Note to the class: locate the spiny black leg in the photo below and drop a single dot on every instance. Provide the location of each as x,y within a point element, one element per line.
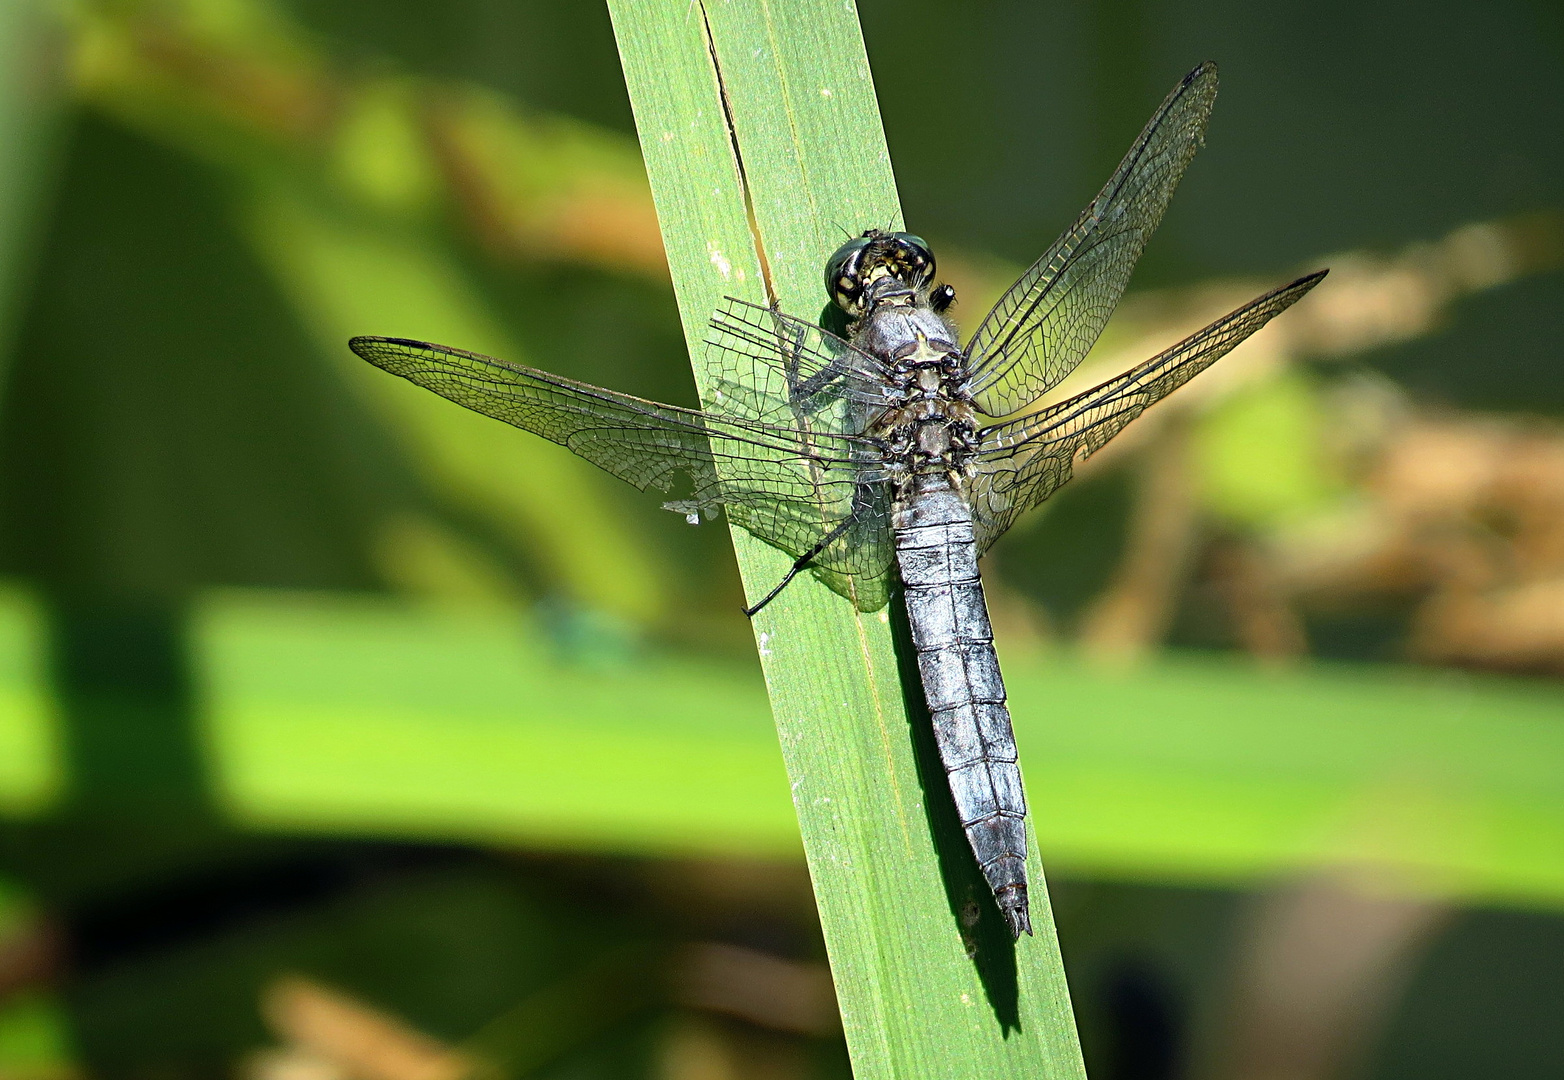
<point>798,564</point>
<point>787,577</point>
<point>942,297</point>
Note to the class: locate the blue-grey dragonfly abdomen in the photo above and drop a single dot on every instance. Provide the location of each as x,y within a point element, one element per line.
<point>951,634</point>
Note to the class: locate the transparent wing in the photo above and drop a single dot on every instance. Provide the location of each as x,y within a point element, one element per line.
<point>1047,322</point>
<point>774,368</point>
<point>790,487</point>
<point>768,367</point>
<point>1023,461</point>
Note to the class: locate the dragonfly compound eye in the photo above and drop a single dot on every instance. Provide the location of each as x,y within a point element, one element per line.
<point>844,274</point>
<point>910,259</point>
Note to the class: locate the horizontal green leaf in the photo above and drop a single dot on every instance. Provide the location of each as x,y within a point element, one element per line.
<point>366,717</point>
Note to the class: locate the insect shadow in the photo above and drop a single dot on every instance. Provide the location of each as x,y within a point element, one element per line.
<point>972,908</point>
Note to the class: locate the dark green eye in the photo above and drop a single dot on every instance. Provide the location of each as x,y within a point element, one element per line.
<point>915,258</point>
<point>843,280</point>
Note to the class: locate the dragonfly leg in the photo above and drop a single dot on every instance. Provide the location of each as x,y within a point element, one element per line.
<point>799,564</point>
<point>792,572</point>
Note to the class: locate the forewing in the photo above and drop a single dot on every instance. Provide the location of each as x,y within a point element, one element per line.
<point>1047,322</point>
<point>791,488</point>
<point>1023,461</point>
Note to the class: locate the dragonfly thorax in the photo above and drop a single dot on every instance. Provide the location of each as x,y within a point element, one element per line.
<point>931,426</point>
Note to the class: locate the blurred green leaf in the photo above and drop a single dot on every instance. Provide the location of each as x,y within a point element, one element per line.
<point>169,425</point>
<point>337,178</point>
<point>35,1039</point>
<point>351,278</point>
<point>31,772</point>
<point>380,152</point>
<point>333,716</point>
<point>32,99</point>
<point>557,755</point>
<point>1260,455</point>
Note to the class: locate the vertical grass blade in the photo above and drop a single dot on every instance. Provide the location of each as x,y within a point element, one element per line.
<point>765,112</point>
<point>32,107</point>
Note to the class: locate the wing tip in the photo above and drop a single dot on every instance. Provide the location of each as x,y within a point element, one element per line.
<point>1305,283</point>
<point>363,341</point>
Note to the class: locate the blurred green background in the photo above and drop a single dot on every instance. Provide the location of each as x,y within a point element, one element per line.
<point>348,736</point>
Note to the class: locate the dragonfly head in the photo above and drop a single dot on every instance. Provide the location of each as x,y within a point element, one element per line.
<point>859,263</point>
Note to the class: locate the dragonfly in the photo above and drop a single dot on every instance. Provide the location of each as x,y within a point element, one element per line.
<point>885,461</point>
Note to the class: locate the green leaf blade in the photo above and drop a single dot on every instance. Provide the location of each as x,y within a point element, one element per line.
<point>748,108</point>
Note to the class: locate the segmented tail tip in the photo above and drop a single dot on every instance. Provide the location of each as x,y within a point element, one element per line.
<point>1013,905</point>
